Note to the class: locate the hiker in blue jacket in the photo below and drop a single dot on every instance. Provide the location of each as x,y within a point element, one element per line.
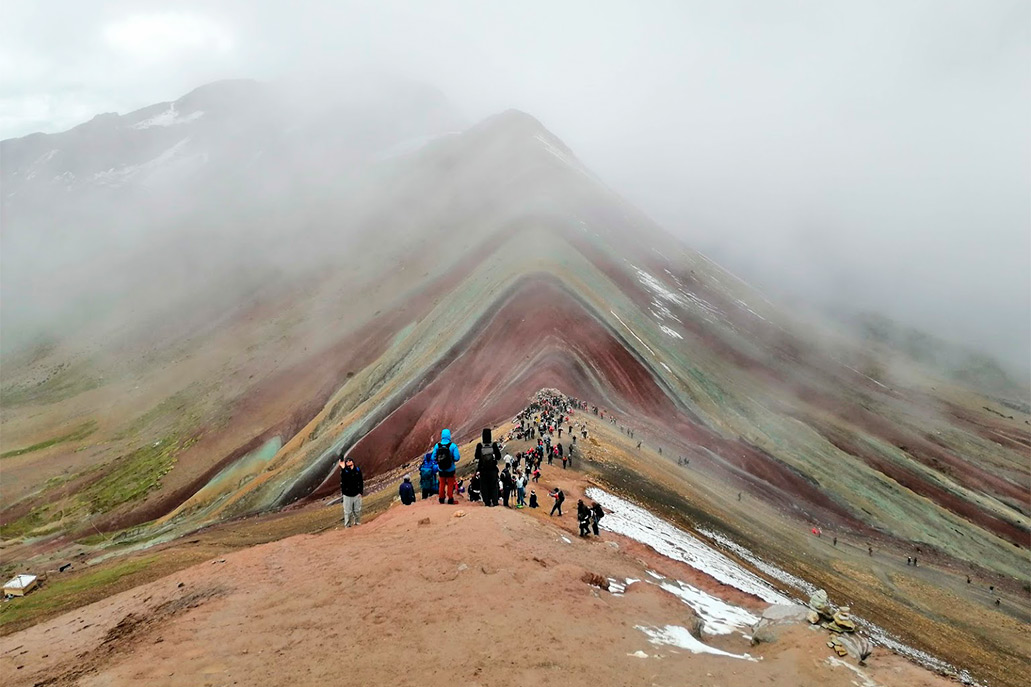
<point>446,455</point>
<point>428,476</point>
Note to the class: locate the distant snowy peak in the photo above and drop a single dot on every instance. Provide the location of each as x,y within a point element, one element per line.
<point>168,117</point>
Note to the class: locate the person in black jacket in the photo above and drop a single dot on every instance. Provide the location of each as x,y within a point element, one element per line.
<point>488,454</point>
<point>559,498</point>
<point>506,485</point>
<point>352,486</point>
<point>583,518</point>
<point>597,514</point>
<point>406,491</point>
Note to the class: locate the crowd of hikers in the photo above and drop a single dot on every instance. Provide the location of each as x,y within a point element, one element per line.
<point>500,479</point>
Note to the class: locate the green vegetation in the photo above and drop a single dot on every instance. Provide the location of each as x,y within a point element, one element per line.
<point>80,432</point>
<point>133,476</point>
<point>33,520</point>
<point>129,478</point>
<point>63,381</point>
<point>61,593</point>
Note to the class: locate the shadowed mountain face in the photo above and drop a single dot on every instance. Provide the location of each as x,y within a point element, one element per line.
<point>245,287</point>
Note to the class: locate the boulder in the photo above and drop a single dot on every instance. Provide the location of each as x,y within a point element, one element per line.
<point>774,618</point>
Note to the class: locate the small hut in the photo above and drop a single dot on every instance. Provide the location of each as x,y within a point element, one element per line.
<point>20,585</point>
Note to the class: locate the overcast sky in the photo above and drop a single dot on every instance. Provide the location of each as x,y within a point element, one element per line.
<point>876,154</point>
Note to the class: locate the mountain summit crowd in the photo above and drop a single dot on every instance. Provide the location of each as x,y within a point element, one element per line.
<point>499,477</point>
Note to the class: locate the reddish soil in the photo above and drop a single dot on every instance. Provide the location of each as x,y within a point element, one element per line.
<point>419,597</point>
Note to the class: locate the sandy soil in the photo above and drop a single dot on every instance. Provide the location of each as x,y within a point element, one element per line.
<point>419,596</point>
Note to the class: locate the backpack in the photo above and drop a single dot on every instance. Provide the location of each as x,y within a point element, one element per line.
<point>445,461</point>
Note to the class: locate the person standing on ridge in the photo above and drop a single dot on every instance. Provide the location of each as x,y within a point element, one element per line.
<point>352,486</point>
<point>488,453</point>
<point>446,455</point>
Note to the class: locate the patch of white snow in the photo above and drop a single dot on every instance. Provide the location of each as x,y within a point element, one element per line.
<point>636,523</point>
<point>169,117</point>
<point>674,635</point>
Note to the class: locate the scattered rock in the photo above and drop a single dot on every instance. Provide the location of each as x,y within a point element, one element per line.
<point>857,645</point>
<point>462,566</point>
<point>821,604</point>
<point>181,585</point>
<point>458,514</point>
<point>841,621</point>
<point>424,521</point>
<point>595,580</point>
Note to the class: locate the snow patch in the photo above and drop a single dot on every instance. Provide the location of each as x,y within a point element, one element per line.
<point>677,636</point>
<point>667,367</point>
<point>866,681</point>
<point>632,332</point>
<point>636,523</point>
<point>680,297</point>
<point>718,616</point>
<point>671,332</point>
<point>169,117</point>
<point>767,568</point>
<point>116,176</point>
<point>557,152</point>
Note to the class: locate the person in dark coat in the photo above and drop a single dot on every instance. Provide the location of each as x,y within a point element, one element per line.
<point>506,485</point>
<point>559,497</point>
<point>583,518</point>
<point>597,514</point>
<point>474,488</point>
<point>406,491</point>
<point>352,486</point>
<point>533,499</point>
<point>488,454</point>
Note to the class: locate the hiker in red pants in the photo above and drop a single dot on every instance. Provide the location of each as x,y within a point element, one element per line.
<point>446,454</point>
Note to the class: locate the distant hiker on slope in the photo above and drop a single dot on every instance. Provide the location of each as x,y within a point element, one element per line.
<point>428,476</point>
<point>352,486</point>
<point>446,455</point>
<point>406,491</point>
<point>533,499</point>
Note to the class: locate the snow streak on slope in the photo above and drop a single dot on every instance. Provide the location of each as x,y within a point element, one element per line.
<point>635,522</point>
<point>169,117</point>
<point>638,524</point>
